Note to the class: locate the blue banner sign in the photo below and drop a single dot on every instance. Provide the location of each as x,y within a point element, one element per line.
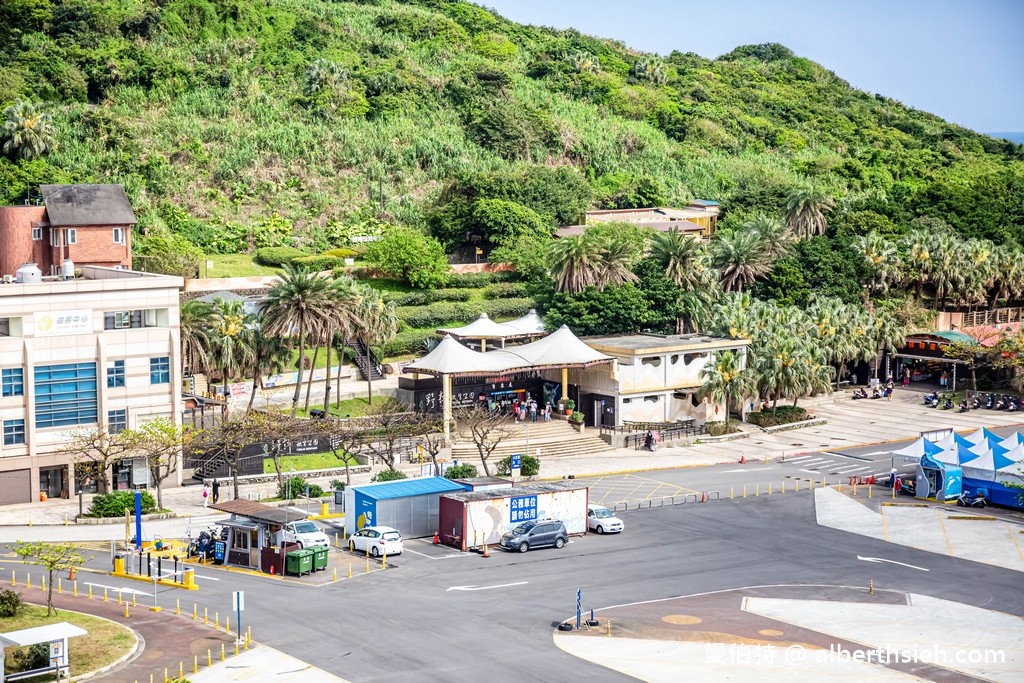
<point>523,509</point>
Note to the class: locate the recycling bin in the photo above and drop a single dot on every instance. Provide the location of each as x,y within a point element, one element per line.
<point>320,558</point>
<point>299,562</point>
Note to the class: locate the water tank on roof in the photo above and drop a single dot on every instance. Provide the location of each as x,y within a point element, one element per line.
<point>68,269</point>
<point>29,272</point>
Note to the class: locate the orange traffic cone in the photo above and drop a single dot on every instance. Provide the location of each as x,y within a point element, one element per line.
<point>486,554</point>
<point>437,540</point>
<point>743,460</point>
<point>71,574</point>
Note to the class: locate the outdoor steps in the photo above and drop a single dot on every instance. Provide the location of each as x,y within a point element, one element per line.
<point>556,438</point>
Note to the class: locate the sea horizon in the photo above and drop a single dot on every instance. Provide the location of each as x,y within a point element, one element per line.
<point>1017,137</point>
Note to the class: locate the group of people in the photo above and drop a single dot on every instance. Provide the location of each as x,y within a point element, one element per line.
<point>876,392</point>
<point>530,409</point>
<point>207,493</point>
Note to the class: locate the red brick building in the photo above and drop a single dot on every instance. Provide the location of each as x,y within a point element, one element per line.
<point>88,224</point>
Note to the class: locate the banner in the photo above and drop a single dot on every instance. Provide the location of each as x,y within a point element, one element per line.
<point>59,323</point>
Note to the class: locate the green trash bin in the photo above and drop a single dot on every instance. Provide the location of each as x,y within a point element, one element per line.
<point>320,557</point>
<point>298,562</point>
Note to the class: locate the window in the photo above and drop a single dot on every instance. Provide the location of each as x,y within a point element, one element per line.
<point>117,421</point>
<point>13,381</point>
<point>72,236</point>
<point>124,320</point>
<point>60,238</point>
<point>10,327</point>
<point>37,234</point>
<point>14,432</point>
<point>115,374</point>
<point>119,236</point>
<point>66,394</point>
<point>160,370</point>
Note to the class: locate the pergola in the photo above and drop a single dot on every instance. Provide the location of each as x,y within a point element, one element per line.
<point>561,349</point>
<point>483,328</point>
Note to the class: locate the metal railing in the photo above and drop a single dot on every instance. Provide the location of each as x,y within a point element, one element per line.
<point>672,434</point>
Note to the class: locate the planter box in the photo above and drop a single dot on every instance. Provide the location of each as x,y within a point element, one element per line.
<point>813,422</point>
<point>724,437</point>
<point>578,426</point>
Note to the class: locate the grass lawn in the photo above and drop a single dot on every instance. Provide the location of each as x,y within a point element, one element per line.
<point>352,407</point>
<point>105,643</point>
<point>236,265</point>
<point>306,462</point>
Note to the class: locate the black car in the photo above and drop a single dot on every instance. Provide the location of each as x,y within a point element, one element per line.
<point>535,535</point>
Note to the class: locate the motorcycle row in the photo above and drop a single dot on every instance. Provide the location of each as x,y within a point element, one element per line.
<point>203,546</point>
<point>908,487</point>
<point>991,402</point>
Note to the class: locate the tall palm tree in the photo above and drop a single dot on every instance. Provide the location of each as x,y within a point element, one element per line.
<point>651,70</point>
<point>347,296</point>
<point>270,355</point>
<point>816,375</point>
<point>890,334</point>
<point>196,335</point>
<point>293,306</point>
<point>376,323</point>
<point>575,263</point>
<point>28,131</point>
<point>740,256</point>
<point>617,256</point>
<point>584,62</point>
<point>1008,274</point>
<point>917,245</point>
<point>724,381</point>
<point>805,211</point>
<point>774,232</point>
<point>683,257</point>
<point>882,259</point>
<point>944,267</point>
<point>230,346</point>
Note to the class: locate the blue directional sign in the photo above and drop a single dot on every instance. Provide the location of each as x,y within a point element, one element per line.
<point>516,461</point>
<point>523,509</point>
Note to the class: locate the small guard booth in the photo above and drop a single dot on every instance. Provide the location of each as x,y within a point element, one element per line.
<point>56,635</point>
<point>253,534</point>
<point>472,518</point>
<point>939,479</point>
<point>408,505</point>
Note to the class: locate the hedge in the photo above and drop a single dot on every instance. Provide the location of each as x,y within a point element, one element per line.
<point>505,290</point>
<point>341,253</point>
<point>443,313</point>
<point>480,280</point>
<point>529,466</point>
<point>319,262</point>
<point>114,504</point>
<point>278,256</point>
<point>404,343</point>
<point>428,297</point>
<point>783,415</point>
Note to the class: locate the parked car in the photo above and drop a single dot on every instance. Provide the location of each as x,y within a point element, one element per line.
<point>306,534</point>
<point>602,520</point>
<point>535,535</point>
<point>380,540</point>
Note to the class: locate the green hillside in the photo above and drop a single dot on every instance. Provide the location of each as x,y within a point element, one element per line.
<point>244,123</point>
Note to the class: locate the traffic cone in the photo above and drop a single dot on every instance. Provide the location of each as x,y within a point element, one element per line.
<point>486,554</point>
<point>437,539</point>
<point>71,574</point>
<point>743,460</point>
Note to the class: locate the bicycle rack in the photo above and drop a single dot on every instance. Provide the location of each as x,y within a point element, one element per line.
<point>690,498</point>
<point>616,508</point>
<point>708,494</point>
<point>640,505</point>
<point>671,499</point>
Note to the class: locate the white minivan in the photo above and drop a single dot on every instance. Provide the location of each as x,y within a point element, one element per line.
<point>601,520</point>
<point>306,534</point>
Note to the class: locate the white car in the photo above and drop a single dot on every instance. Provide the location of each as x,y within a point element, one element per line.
<point>378,540</point>
<point>306,534</point>
<point>601,520</point>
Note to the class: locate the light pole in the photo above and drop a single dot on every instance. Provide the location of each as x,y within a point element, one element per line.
<point>80,515</point>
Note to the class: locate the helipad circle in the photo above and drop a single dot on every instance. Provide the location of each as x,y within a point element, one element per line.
<point>681,619</point>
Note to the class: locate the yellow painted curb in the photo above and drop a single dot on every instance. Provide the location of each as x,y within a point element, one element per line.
<point>161,582</point>
<point>984,518</point>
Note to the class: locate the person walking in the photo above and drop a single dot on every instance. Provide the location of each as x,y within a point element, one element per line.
<point>898,486</point>
<point>216,491</point>
<point>892,478</point>
<point>906,377</point>
<point>533,411</point>
<point>206,494</point>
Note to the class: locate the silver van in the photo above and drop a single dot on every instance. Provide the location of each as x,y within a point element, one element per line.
<point>535,535</point>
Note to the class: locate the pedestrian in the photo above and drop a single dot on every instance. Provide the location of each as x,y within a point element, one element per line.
<point>898,486</point>
<point>853,379</point>
<point>216,491</point>
<point>906,377</point>
<point>547,412</point>
<point>888,393</point>
<point>888,377</point>
<point>892,478</point>
<point>515,409</point>
<point>206,494</point>
<point>533,411</point>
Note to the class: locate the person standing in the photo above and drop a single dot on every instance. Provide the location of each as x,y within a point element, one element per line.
<point>533,411</point>
<point>892,478</point>
<point>898,486</point>
<point>547,413</point>
<point>206,494</point>
<point>906,377</point>
<point>216,491</point>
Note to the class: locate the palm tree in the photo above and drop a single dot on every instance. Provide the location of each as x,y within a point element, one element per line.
<point>944,267</point>
<point>230,345</point>
<point>740,256</point>
<point>917,244</point>
<point>778,366</point>
<point>1009,274</point>
<point>617,255</point>
<point>651,70</point>
<point>575,263</point>
<point>196,335</point>
<point>805,211</point>
<point>28,131</point>
<point>376,323</point>
<point>816,375</point>
<point>270,355</point>
<point>341,319</point>
<point>293,306</point>
<point>724,381</point>
<point>584,62</point>
<point>890,334</point>
<point>774,232</point>
<point>882,260</point>
<point>683,257</point>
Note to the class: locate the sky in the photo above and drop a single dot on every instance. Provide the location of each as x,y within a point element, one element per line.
<point>962,60</point>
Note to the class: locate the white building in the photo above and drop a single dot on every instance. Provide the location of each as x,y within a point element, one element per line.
<point>101,350</point>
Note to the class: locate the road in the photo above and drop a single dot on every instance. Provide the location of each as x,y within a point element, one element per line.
<point>406,624</point>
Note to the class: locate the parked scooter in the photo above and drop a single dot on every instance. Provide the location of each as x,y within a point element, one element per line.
<point>947,402</point>
<point>964,407</point>
<point>990,402</point>
<point>963,500</point>
<point>975,403</point>
<point>860,393</point>
<point>931,399</point>
<point>909,487</point>
<point>203,546</point>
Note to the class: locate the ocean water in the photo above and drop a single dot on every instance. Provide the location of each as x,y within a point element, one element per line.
<point>1017,137</point>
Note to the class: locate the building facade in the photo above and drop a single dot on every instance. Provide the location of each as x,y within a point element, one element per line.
<point>83,224</point>
<point>99,352</point>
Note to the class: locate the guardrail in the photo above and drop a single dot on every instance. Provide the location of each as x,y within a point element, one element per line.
<point>666,501</point>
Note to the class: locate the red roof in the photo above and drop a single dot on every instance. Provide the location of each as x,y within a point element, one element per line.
<point>989,335</point>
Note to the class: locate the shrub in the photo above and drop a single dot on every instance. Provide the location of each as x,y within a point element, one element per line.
<point>297,488</point>
<point>409,341</point>
<point>529,466</point>
<point>341,253</point>
<point>463,470</point>
<point>480,280</point>
<point>11,603</point>
<point>412,256</point>
<point>720,428</point>
<point>451,294</point>
<point>783,415</point>
<point>337,485</point>
<point>114,504</point>
<point>319,262</point>
<point>409,298</point>
<point>576,417</point>
<point>278,256</point>
<point>505,290</point>
<point>389,475</point>
<point>443,313</point>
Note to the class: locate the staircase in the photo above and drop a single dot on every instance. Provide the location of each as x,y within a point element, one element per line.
<point>366,360</point>
<point>554,439</point>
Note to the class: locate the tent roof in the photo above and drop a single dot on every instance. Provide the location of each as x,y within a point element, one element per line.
<point>259,512</point>
<point>452,358</point>
<point>528,324</point>
<point>41,634</point>
<point>983,435</point>
<point>561,347</point>
<point>481,328</point>
<point>1012,441</point>
<point>921,447</point>
<point>405,488</point>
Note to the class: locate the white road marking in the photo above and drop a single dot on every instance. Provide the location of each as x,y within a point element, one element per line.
<point>799,457</point>
<point>729,471</point>
<point>117,589</point>
<point>483,588</point>
<point>206,578</point>
<point>902,564</point>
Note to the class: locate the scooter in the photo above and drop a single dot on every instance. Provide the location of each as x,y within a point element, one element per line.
<point>964,407</point>
<point>976,502</point>
<point>975,404</point>
<point>860,393</point>
<point>909,488</point>
<point>203,546</point>
<point>931,399</point>
<point>947,403</point>
<point>990,401</point>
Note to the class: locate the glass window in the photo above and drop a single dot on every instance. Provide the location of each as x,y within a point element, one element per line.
<point>117,421</point>
<point>37,234</point>
<point>118,235</point>
<point>66,394</point>
<point>115,374</point>
<point>13,381</point>
<point>124,320</point>
<point>160,370</point>
<point>72,236</point>
<point>14,432</point>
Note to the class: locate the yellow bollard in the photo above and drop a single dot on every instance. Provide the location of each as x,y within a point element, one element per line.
<point>60,586</point>
<point>104,594</point>
<point>75,589</point>
<point>855,489</point>
<point>871,586</point>
<point>133,599</point>
<point>166,677</point>
<point>30,519</point>
<point>28,580</point>
<point>769,488</point>
<point>757,489</point>
<point>839,487</point>
<point>195,612</point>
<point>222,655</point>
<point>894,493</point>
<point>227,624</point>
<point>120,598</point>
<point>195,664</point>
<point>209,658</point>
<point>90,591</point>
<point>766,459</point>
<point>384,558</point>
<point>177,606</point>
<point>869,491</point>
<point>608,624</point>
<point>823,483</point>
<point>783,486</point>
<point>335,575</point>
<point>126,610</point>
<point>336,543</point>
<point>206,616</point>
<point>216,620</point>
<point>236,648</point>
<point>367,565</point>
<point>350,570</point>
<point>43,586</point>
<point>798,486</point>
<point>65,519</point>
<point>744,490</point>
<point>730,493</point>
<point>248,636</point>
<point>181,670</point>
<point>13,582</point>
<point>344,534</point>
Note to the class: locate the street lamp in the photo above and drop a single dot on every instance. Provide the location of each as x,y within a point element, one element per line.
<point>80,515</point>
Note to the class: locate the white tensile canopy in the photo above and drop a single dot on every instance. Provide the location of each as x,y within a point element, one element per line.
<point>529,324</point>
<point>983,435</point>
<point>481,328</point>
<point>919,448</point>
<point>558,349</point>
<point>1012,441</point>
<point>451,358</point>
<point>986,466</point>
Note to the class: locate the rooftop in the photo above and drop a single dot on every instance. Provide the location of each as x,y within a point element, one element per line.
<point>80,205</point>
<point>404,488</point>
<point>92,278</point>
<point>658,225</point>
<point>259,512</point>
<point>648,343</point>
<point>528,490</point>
